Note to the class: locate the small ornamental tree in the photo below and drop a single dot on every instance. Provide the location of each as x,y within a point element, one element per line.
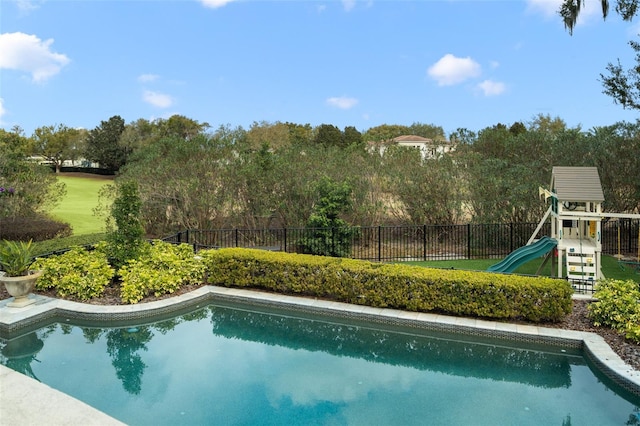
<point>125,237</point>
<point>327,234</point>
<point>27,189</point>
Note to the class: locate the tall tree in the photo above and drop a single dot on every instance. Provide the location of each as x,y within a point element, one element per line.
<point>185,184</point>
<point>425,191</point>
<point>385,132</point>
<point>624,85</point>
<point>56,143</point>
<point>328,135</point>
<point>546,124</point>
<point>352,137</point>
<point>27,187</point>
<point>300,134</point>
<point>139,133</point>
<point>181,127</point>
<point>620,84</point>
<point>103,144</point>
<point>430,131</point>
<point>570,10</point>
<point>615,151</point>
<point>517,128</point>
<point>274,135</point>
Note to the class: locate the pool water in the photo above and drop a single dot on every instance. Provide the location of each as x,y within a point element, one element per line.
<point>236,366</point>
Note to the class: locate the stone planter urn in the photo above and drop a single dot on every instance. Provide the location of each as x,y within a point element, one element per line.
<point>20,287</point>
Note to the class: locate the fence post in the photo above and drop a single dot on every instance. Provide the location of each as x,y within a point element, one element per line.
<point>179,237</point>
<point>468,241</point>
<point>333,240</point>
<point>511,248</point>
<point>379,243</point>
<point>187,235</point>
<point>285,240</point>
<point>236,236</point>
<point>424,242</point>
<point>632,237</point>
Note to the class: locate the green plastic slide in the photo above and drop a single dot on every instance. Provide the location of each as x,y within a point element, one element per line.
<point>524,254</point>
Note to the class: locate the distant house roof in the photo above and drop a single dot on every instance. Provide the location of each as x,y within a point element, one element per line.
<point>412,138</point>
<point>577,184</point>
<point>405,139</point>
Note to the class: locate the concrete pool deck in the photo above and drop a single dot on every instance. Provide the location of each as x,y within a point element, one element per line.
<point>25,401</point>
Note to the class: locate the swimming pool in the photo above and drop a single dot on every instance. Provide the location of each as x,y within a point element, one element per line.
<point>236,364</point>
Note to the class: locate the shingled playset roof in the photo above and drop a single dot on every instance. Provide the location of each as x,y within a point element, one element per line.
<point>577,184</point>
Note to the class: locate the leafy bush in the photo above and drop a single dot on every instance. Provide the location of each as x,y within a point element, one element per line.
<point>77,273</point>
<point>162,268</point>
<point>125,238</point>
<point>328,234</point>
<point>36,228</point>
<point>27,188</point>
<point>617,306</point>
<point>405,287</point>
<point>16,257</point>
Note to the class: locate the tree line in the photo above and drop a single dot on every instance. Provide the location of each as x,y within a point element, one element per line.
<point>283,174</point>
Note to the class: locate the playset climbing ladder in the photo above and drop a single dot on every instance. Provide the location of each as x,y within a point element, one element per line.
<point>576,221</point>
<point>576,216</point>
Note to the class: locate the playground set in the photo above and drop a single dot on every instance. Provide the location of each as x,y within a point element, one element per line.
<point>576,227</point>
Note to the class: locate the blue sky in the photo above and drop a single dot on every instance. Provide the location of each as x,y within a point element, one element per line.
<point>454,64</point>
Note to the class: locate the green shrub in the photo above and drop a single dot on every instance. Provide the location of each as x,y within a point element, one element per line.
<point>36,228</point>
<point>78,273</point>
<point>16,257</point>
<point>617,306</point>
<point>327,234</point>
<point>162,268</point>
<point>125,236</point>
<point>62,244</point>
<point>405,287</point>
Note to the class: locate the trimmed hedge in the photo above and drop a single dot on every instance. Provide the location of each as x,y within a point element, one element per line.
<point>412,288</point>
<point>37,228</point>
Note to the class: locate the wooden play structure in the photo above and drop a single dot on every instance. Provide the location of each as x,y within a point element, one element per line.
<point>576,222</point>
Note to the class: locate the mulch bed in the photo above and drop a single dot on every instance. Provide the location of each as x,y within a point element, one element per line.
<point>577,320</point>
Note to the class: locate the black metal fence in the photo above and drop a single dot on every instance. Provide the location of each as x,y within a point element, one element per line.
<point>418,242</point>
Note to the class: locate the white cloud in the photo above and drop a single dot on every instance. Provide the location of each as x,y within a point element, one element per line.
<point>633,30</point>
<point>146,78</point>
<point>26,6</point>
<point>450,70</point>
<point>348,4</point>
<point>2,110</point>
<point>215,4</point>
<point>548,8</point>
<point>25,52</point>
<point>156,99</point>
<point>492,88</point>
<point>342,102</point>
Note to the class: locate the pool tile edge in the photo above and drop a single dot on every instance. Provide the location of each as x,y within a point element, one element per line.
<point>595,347</point>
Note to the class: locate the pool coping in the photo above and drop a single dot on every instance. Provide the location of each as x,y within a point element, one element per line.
<point>17,321</point>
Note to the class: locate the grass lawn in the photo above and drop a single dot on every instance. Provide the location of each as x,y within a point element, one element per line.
<point>611,268</point>
<point>77,206</point>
